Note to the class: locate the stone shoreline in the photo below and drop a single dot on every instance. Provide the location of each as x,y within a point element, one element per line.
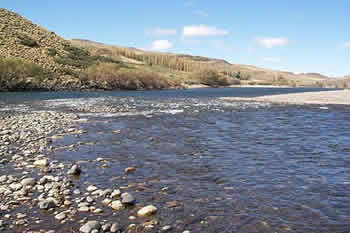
<point>338,97</point>
<point>34,188</point>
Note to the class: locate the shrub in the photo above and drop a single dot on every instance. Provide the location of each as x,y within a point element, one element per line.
<point>15,74</point>
<point>213,78</point>
<point>27,40</point>
<point>112,76</point>
<point>52,52</point>
<point>80,58</point>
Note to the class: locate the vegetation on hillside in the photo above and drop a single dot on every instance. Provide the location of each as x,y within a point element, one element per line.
<point>111,76</point>
<point>16,74</point>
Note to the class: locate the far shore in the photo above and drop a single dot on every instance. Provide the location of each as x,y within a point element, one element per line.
<point>194,86</point>
<point>337,97</point>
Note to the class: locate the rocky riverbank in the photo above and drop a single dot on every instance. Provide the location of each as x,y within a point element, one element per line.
<point>339,97</point>
<point>38,194</point>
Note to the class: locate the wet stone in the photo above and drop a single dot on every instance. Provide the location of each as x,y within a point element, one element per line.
<point>127,198</point>
<point>115,228</point>
<point>117,205</point>
<point>91,188</point>
<point>74,170</point>
<point>47,204</point>
<point>147,211</point>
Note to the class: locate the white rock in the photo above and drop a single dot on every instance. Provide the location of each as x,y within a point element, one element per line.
<point>147,211</point>
<point>90,226</point>
<point>60,216</point>
<point>91,188</point>
<point>117,205</point>
<point>41,163</point>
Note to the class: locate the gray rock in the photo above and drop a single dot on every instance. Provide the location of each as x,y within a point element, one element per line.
<point>28,182</point>
<point>115,228</point>
<point>47,204</point>
<point>127,198</point>
<point>106,227</point>
<point>90,226</point>
<point>74,170</point>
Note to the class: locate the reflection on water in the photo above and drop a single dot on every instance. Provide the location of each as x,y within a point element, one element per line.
<point>238,167</point>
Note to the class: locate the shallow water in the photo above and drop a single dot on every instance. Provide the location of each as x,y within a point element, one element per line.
<point>232,167</point>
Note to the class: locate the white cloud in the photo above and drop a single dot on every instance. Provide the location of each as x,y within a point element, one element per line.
<point>272,59</point>
<point>161,32</point>
<point>201,13</point>
<point>346,44</point>
<point>161,45</point>
<point>270,42</point>
<point>203,30</point>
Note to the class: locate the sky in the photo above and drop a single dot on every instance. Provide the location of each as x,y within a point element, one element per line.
<point>291,35</point>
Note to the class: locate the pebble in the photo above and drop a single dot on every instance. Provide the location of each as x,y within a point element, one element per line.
<point>41,163</point>
<point>166,228</point>
<point>74,170</point>
<point>47,204</point>
<point>90,226</point>
<point>117,205</point>
<point>28,182</point>
<point>127,198</point>
<point>115,228</point>
<point>60,216</point>
<point>91,188</point>
<point>147,211</point>
<point>129,169</point>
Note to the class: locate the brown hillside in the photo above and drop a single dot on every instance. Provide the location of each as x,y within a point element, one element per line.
<point>20,38</point>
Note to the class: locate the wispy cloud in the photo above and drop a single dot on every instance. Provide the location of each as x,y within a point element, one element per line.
<point>271,59</point>
<point>203,30</point>
<point>346,44</point>
<point>270,42</point>
<point>161,32</point>
<point>160,45</point>
<point>201,13</point>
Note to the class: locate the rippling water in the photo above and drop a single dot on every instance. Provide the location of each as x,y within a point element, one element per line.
<point>233,167</point>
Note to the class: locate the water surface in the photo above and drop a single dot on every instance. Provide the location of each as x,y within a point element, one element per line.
<point>232,167</point>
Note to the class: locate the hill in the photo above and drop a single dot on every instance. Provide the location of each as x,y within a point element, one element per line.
<point>32,57</point>
<point>245,74</point>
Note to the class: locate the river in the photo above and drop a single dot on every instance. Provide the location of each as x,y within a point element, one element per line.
<point>230,167</point>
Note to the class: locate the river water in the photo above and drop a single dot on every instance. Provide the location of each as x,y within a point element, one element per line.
<point>230,167</point>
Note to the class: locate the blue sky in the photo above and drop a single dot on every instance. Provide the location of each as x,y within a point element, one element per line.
<point>292,35</point>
